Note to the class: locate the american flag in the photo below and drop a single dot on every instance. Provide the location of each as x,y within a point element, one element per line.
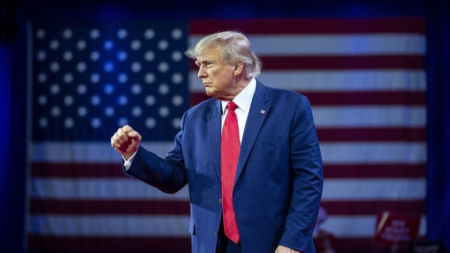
<point>365,79</point>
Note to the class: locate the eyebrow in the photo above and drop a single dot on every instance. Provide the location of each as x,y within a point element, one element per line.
<point>197,62</point>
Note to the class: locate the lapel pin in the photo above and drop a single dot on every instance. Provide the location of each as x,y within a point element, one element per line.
<point>262,112</point>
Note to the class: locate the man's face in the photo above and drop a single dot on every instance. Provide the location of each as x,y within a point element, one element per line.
<point>217,76</point>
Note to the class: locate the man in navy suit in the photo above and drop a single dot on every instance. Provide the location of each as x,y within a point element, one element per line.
<point>274,193</point>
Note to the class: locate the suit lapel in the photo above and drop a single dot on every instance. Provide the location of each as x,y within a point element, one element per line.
<point>258,111</point>
<point>214,133</point>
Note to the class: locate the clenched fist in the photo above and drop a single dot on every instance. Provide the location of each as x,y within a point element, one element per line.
<point>126,141</point>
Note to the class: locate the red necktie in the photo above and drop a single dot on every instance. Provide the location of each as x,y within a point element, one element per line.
<point>229,158</point>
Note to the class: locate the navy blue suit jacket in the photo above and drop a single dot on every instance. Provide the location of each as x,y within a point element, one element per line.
<point>279,178</point>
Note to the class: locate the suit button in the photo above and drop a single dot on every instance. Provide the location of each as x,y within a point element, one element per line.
<point>220,201</point>
<point>215,233</point>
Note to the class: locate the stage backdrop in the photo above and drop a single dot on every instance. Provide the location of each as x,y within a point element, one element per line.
<point>365,79</point>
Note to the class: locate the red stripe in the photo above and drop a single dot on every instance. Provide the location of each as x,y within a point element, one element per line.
<point>310,26</point>
<point>339,62</point>
<point>343,62</point>
<point>161,207</point>
<point>77,170</point>
<point>357,245</point>
<point>371,134</point>
<point>80,171</point>
<point>373,207</point>
<point>374,171</point>
<point>109,244</point>
<point>172,245</point>
<point>367,98</point>
<point>349,98</point>
<point>109,207</point>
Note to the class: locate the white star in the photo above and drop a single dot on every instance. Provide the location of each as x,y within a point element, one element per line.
<point>82,111</point>
<point>43,122</point>
<point>149,34</point>
<point>54,44</point>
<point>95,34</point>
<point>163,89</point>
<point>54,66</point>
<point>149,56</point>
<point>69,123</point>
<point>68,78</point>
<point>81,89</point>
<point>96,123</point>
<point>164,111</point>
<point>41,55</point>
<point>135,44</point>
<point>81,45</point>
<point>177,33</point>
<point>163,67</point>
<point>136,111</point>
<point>67,56</point>
<point>135,66</point>
<point>150,123</point>
<point>42,100</point>
<point>55,111</point>
<point>95,55</point>
<point>109,111</point>
<point>163,45</point>
<point>68,100</point>
<point>136,89</point>
<point>177,78</point>
<point>122,33</point>
<point>149,78</point>
<point>54,89</point>
<point>150,100</point>
<point>67,34</point>
<point>177,56</point>
<point>81,67</point>
<point>177,100</point>
<point>40,34</point>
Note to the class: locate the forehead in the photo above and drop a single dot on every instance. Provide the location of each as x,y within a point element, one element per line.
<point>210,53</point>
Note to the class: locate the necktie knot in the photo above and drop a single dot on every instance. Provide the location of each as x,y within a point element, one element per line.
<point>232,106</point>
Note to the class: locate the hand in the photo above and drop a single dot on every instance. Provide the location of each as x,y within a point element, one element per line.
<point>126,141</point>
<point>282,249</point>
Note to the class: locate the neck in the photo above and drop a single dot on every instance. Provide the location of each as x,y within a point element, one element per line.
<point>241,83</point>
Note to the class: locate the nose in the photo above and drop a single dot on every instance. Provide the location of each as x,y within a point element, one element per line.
<point>201,72</point>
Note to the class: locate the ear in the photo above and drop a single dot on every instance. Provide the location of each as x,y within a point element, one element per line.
<point>238,68</point>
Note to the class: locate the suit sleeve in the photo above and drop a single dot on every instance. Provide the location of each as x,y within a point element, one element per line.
<point>306,164</point>
<point>167,174</point>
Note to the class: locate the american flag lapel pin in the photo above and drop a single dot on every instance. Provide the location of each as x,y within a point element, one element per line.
<point>262,111</point>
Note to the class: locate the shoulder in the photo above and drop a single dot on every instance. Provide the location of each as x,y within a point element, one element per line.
<point>203,107</point>
<point>278,95</point>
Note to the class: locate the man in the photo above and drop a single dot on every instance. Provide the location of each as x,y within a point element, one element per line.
<point>249,155</point>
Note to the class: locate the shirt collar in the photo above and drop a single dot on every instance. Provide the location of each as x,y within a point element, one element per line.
<point>244,99</point>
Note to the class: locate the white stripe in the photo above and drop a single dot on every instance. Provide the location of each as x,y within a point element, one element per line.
<point>335,80</point>
<point>111,189</point>
<point>92,152</point>
<point>104,189</point>
<point>373,152</point>
<point>332,152</point>
<point>176,226</point>
<point>110,225</point>
<point>358,226</point>
<point>373,189</point>
<point>369,116</point>
<point>327,44</point>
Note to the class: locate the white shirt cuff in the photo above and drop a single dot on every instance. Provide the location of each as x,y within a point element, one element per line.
<point>127,163</point>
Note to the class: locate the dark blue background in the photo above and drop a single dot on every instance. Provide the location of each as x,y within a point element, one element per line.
<point>13,107</point>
